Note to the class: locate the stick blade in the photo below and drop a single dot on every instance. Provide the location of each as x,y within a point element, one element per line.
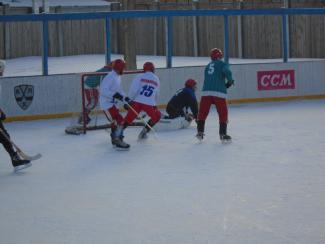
<point>31,158</point>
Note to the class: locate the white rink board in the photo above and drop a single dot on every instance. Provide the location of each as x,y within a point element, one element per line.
<point>309,80</point>
<point>52,94</point>
<point>57,94</point>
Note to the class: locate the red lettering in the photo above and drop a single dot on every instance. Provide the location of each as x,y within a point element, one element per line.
<point>149,81</point>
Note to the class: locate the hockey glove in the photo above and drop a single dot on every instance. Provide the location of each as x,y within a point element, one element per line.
<point>127,103</point>
<point>2,115</point>
<point>189,117</point>
<point>118,96</point>
<point>127,100</point>
<point>229,83</point>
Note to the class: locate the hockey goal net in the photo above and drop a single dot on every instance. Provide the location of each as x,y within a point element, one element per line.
<point>91,117</point>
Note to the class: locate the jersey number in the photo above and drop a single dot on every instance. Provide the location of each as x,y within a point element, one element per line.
<point>211,69</point>
<point>147,90</point>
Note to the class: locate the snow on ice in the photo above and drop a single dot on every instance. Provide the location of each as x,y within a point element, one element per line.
<point>268,186</point>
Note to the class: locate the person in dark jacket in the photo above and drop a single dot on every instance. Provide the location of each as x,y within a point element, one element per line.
<point>17,162</point>
<point>183,100</point>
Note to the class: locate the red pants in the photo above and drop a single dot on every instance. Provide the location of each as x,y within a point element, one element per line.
<point>114,116</point>
<point>152,112</point>
<point>220,103</point>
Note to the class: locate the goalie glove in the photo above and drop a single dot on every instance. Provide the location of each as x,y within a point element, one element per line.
<point>126,106</point>
<point>127,100</point>
<point>229,83</point>
<point>189,117</point>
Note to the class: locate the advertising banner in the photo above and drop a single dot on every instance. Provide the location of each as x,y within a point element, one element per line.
<point>275,80</point>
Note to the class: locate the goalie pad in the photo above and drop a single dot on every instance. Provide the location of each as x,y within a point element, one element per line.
<point>172,124</point>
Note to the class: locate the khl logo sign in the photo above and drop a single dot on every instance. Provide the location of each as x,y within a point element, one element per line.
<point>276,79</point>
<point>24,95</point>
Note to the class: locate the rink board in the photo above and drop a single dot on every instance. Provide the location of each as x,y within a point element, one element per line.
<point>53,96</point>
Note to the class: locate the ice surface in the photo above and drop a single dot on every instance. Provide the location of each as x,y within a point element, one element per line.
<point>268,186</point>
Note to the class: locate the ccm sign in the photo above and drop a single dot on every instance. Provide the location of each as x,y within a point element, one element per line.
<point>276,79</point>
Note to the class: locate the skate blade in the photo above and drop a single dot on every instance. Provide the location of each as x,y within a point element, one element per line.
<point>32,158</point>
<point>122,148</point>
<point>21,167</point>
<point>200,139</point>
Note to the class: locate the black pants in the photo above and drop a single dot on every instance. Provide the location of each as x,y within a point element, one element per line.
<point>5,142</point>
<point>173,112</point>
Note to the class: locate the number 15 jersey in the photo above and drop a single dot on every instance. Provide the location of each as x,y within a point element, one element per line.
<point>145,88</point>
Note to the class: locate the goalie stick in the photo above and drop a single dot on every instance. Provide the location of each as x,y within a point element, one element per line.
<point>19,151</point>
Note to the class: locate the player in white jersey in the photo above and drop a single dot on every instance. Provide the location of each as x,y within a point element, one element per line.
<point>110,92</point>
<point>144,92</point>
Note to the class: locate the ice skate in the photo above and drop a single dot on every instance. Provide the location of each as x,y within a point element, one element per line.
<point>225,139</point>
<point>143,134</point>
<point>119,144</point>
<point>113,141</point>
<point>19,163</point>
<point>200,136</point>
<point>200,129</point>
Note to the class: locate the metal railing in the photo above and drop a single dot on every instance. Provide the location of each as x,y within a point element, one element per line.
<point>168,14</point>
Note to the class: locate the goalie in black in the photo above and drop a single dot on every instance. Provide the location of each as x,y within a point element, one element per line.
<point>183,100</point>
<point>17,162</point>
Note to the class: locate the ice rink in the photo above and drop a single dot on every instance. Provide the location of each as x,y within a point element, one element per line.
<point>268,186</point>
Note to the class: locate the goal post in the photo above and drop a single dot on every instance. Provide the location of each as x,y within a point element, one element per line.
<point>91,117</point>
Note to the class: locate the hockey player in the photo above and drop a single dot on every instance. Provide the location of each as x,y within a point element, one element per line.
<point>183,99</point>
<point>91,93</point>
<point>144,92</point>
<point>17,162</point>
<point>110,92</point>
<point>214,92</point>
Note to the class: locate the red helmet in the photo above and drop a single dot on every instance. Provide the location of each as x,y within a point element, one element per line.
<point>191,83</point>
<point>148,66</point>
<point>216,53</point>
<point>118,65</point>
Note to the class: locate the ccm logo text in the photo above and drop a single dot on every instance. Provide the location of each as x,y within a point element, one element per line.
<point>276,79</point>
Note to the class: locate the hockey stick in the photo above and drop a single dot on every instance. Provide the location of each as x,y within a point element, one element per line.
<point>19,151</point>
<point>137,114</point>
<point>110,120</point>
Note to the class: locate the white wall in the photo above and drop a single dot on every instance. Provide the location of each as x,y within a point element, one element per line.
<point>52,94</point>
<point>57,94</point>
<point>309,79</point>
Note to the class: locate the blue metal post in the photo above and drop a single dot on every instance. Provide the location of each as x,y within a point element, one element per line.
<point>284,39</point>
<point>45,52</point>
<point>169,44</point>
<point>226,39</point>
<point>108,51</point>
